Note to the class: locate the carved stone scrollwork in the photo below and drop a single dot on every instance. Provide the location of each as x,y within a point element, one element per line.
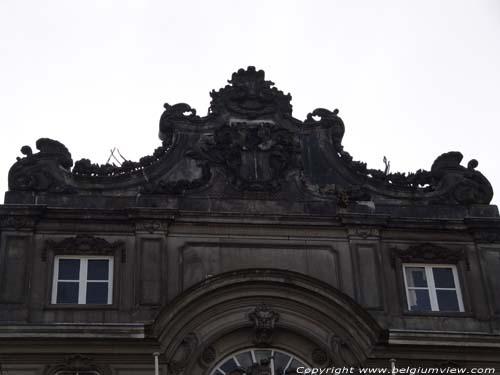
<point>329,120</point>
<point>264,321</point>
<point>180,112</point>
<point>183,354</point>
<point>251,137</point>
<point>429,253</point>
<point>84,245</point>
<point>45,170</point>
<point>457,184</point>
<point>448,182</point>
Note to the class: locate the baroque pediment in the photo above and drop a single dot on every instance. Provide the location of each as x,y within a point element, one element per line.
<point>248,146</point>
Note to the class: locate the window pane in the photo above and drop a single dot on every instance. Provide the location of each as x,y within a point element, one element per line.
<point>229,365</point>
<point>98,269</point>
<point>419,300</point>
<point>415,277</point>
<point>69,269</point>
<point>292,369</point>
<point>97,293</point>
<point>262,354</point>
<point>447,300</point>
<point>67,292</point>
<point>245,359</point>
<point>443,277</point>
<point>280,362</point>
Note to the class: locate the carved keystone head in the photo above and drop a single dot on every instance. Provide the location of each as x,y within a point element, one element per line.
<point>264,320</point>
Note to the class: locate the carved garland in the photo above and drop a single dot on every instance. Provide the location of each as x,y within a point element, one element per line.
<point>84,245</point>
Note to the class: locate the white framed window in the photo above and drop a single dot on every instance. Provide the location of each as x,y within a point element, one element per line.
<point>432,287</point>
<point>82,280</point>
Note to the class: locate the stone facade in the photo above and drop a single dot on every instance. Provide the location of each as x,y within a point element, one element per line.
<point>246,229</point>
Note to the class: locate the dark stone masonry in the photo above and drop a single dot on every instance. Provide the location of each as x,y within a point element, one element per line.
<point>249,242</point>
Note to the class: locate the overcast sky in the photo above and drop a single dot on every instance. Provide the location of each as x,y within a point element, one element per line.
<point>412,79</point>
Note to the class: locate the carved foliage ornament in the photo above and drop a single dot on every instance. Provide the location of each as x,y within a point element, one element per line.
<point>448,182</point>
<point>429,253</point>
<point>264,323</point>
<point>84,167</point>
<point>84,245</point>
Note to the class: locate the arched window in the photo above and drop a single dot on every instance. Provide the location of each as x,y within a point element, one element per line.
<point>244,362</point>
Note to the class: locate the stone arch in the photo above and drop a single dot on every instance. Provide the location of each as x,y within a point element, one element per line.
<point>299,314</point>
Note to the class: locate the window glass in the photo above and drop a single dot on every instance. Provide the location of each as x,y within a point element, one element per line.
<point>416,277</point>
<point>245,359</point>
<point>69,269</point>
<point>97,292</point>
<point>83,280</point>
<point>292,369</point>
<point>419,300</point>
<point>432,288</point>
<point>229,365</point>
<point>443,277</point>
<point>281,360</point>
<point>67,292</point>
<point>447,300</point>
<point>98,269</point>
<point>262,354</point>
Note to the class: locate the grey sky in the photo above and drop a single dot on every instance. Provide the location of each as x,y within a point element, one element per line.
<point>412,79</point>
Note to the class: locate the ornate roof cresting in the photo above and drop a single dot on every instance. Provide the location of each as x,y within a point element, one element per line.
<point>249,146</point>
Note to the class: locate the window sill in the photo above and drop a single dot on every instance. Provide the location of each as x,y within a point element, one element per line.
<point>71,306</point>
<point>440,314</point>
